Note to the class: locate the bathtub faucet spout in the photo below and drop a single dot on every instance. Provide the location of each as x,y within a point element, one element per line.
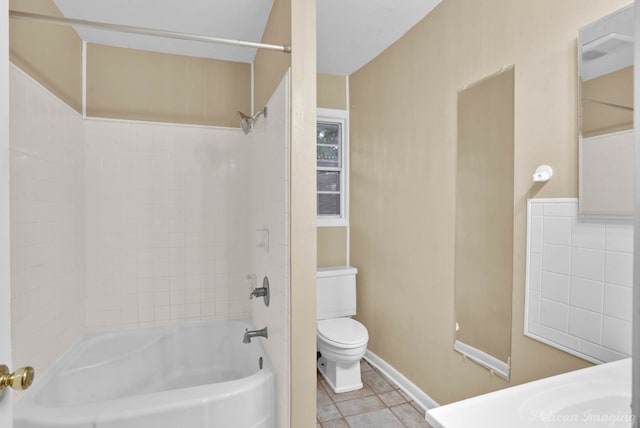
<point>254,333</point>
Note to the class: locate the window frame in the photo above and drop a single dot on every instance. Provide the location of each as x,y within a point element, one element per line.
<point>341,117</point>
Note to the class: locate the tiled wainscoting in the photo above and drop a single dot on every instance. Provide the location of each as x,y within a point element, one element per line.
<point>380,403</point>
<point>579,281</point>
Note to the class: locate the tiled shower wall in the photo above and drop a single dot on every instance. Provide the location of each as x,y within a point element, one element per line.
<point>167,215</point>
<point>125,224</point>
<point>270,229</point>
<point>47,224</point>
<point>579,281</point>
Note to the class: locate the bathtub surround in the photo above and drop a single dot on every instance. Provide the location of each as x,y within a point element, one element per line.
<point>164,211</point>
<point>579,281</point>
<point>47,223</point>
<point>167,215</point>
<point>269,145</point>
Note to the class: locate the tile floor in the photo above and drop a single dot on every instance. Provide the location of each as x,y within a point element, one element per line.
<point>379,404</point>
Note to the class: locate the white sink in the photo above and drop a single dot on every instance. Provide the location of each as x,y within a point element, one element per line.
<point>598,396</point>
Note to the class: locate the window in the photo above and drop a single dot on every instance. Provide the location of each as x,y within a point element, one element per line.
<point>331,167</point>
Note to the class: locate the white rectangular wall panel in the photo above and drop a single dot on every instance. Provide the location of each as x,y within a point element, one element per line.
<point>579,273</point>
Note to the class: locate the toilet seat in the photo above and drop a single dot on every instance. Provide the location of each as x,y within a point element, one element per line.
<point>342,332</point>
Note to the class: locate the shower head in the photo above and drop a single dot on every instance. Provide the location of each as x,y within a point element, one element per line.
<point>246,122</point>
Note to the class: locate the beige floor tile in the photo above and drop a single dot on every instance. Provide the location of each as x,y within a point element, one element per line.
<point>364,366</point>
<point>365,391</point>
<point>392,398</point>
<point>322,397</point>
<point>376,382</point>
<point>328,412</point>
<point>376,419</point>
<point>360,405</point>
<point>409,416</point>
<point>336,423</point>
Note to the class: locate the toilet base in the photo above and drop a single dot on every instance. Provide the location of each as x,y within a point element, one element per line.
<point>341,377</point>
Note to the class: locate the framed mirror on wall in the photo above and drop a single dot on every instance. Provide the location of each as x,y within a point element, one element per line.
<point>484,222</point>
<point>605,122</point>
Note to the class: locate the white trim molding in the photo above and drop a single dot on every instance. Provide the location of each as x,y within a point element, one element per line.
<point>419,396</point>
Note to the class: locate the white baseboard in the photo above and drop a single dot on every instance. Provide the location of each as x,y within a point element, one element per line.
<point>409,388</point>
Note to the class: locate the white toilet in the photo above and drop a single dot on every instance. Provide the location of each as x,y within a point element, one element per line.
<point>342,341</point>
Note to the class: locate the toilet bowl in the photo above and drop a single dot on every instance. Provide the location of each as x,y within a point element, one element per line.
<point>341,341</point>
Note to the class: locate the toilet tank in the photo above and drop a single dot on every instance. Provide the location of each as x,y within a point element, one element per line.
<point>336,292</point>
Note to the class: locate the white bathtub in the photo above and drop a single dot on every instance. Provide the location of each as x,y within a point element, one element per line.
<point>194,376</point>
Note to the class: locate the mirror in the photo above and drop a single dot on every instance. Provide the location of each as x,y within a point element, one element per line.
<point>605,122</point>
<point>484,222</point>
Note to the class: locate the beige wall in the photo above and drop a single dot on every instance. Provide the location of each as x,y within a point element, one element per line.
<point>51,54</point>
<point>332,91</point>
<point>332,241</point>
<point>332,246</point>
<point>141,85</point>
<point>403,154</point>
<point>270,66</point>
<point>294,21</point>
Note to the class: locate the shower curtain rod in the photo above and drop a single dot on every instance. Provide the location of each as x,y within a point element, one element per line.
<point>145,31</point>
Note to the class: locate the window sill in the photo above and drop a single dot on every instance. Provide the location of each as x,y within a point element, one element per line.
<point>332,222</point>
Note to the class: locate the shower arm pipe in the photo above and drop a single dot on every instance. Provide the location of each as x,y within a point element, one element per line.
<point>144,31</point>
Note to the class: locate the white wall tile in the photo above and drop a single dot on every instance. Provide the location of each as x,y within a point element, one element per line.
<point>535,271</point>
<point>47,226</point>
<point>619,268</point>
<point>536,234</point>
<point>560,209</point>
<point>557,259</point>
<point>588,234</point>
<point>585,324</point>
<point>269,209</point>
<point>555,287</point>
<point>556,230</point>
<point>617,301</point>
<point>554,315</point>
<point>600,352</point>
<point>619,237</point>
<point>560,338</point>
<point>586,294</point>
<point>167,191</point>
<point>537,208</point>
<point>534,307</point>
<point>590,317</point>
<point>587,264</point>
<point>616,335</point>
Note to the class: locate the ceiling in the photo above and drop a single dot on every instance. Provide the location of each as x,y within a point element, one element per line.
<point>350,33</point>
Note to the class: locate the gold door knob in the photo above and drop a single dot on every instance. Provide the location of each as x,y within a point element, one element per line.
<point>20,379</point>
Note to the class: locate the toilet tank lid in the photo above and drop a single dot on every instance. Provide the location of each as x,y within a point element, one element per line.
<point>335,271</point>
